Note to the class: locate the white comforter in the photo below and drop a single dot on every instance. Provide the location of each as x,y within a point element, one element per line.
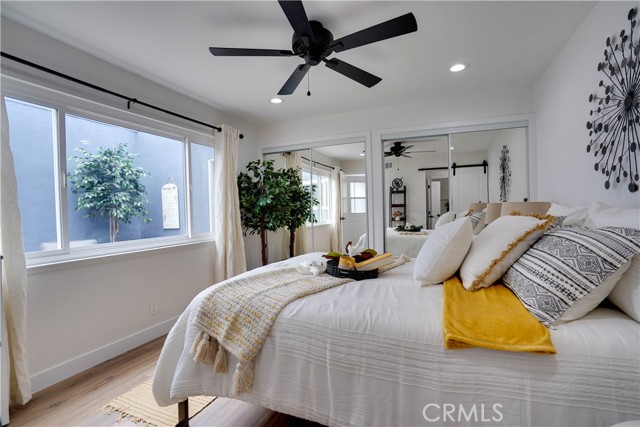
<point>371,353</point>
<point>407,244</point>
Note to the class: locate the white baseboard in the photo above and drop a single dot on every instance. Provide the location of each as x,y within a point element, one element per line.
<point>64,370</point>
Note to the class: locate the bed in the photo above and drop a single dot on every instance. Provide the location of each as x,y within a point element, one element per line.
<point>370,353</point>
<point>405,243</point>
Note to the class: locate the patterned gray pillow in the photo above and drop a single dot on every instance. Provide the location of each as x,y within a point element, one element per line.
<point>477,221</point>
<point>566,265</point>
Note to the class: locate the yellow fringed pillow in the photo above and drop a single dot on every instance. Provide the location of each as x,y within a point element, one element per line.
<point>499,245</point>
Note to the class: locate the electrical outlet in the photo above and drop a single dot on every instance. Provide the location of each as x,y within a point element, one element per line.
<point>153,307</point>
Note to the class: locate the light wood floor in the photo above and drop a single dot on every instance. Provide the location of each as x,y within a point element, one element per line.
<point>77,400</point>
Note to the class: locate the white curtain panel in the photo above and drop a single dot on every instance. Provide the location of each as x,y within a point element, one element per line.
<point>14,274</point>
<point>293,159</point>
<point>336,211</point>
<point>229,255</point>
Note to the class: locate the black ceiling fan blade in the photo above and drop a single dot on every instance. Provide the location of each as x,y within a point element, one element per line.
<point>232,51</point>
<point>404,155</point>
<point>354,73</point>
<point>392,28</point>
<point>294,10</point>
<point>294,80</point>
<point>388,153</point>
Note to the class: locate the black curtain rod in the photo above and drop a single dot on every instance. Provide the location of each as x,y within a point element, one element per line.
<point>101,89</point>
<point>318,163</point>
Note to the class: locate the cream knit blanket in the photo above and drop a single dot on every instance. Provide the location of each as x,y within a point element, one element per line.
<point>237,315</point>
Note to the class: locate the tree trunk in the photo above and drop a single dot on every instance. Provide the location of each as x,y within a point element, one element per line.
<point>263,242</point>
<point>114,228</point>
<point>292,240</point>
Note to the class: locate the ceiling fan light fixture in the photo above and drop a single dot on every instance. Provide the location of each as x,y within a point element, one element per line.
<point>457,68</point>
<point>276,100</point>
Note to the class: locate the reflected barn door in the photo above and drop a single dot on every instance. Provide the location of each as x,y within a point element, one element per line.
<point>354,208</point>
<point>468,185</point>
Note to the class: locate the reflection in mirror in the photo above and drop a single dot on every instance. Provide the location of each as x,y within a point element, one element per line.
<point>417,190</point>
<point>337,174</point>
<point>503,178</point>
<point>490,166</point>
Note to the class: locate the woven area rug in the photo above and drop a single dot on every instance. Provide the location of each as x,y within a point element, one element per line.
<point>139,406</point>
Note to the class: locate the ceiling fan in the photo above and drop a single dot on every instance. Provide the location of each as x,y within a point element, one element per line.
<point>398,150</point>
<point>314,43</point>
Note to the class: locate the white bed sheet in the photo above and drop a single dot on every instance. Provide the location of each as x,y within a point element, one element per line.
<point>371,353</point>
<point>407,244</point>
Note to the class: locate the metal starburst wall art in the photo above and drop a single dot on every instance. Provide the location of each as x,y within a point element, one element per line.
<point>614,126</point>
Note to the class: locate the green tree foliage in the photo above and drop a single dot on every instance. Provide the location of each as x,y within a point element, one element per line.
<point>299,207</point>
<point>262,192</point>
<point>271,199</point>
<point>109,186</point>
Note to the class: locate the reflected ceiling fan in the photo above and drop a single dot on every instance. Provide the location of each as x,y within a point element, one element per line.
<point>398,150</point>
<point>314,43</point>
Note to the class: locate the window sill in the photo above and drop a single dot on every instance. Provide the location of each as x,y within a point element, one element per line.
<point>39,263</point>
<point>319,224</point>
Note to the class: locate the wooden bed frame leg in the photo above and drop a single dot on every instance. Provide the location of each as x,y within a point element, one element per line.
<point>183,413</point>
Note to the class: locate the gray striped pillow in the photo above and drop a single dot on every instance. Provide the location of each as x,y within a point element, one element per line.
<point>571,266</point>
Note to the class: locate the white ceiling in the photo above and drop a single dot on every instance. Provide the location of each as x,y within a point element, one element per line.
<point>506,44</point>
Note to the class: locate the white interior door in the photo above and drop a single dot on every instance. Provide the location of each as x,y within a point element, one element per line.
<point>354,208</point>
<point>434,204</point>
<point>468,185</point>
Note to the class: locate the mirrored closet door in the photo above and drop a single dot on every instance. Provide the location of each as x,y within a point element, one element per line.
<point>429,175</point>
<point>336,175</point>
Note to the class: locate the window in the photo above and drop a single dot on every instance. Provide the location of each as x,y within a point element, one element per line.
<point>33,136</point>
<point>105,184</point>
<point>358,195</point>
<point>159,161</point>
<point>322,192</point>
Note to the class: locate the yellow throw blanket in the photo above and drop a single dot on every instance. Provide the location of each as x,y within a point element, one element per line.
<point>491,317</point>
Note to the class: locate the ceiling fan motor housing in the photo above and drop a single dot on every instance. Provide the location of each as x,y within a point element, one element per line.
<point>312,51</point>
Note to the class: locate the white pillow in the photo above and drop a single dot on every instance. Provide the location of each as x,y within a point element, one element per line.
<point>572,216</point>
<point>499,245</point>
<point>445,218</point>
<point>626,294</point>
<point>462,214</point>
<point>601,215</point>
<point>443,252</point>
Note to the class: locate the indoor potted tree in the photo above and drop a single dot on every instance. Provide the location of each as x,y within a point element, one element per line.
<point>263,193</point>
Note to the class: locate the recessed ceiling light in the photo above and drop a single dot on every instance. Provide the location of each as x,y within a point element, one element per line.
<point>457,67</point>
<point>275,101</point>
<point>453,148</point>
<point>362,154</point>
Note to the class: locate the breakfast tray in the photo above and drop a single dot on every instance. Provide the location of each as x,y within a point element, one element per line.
<point>334,270</point>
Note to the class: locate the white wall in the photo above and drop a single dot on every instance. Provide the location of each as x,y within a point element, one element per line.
<point>83,313</point>
<point>566,171</point>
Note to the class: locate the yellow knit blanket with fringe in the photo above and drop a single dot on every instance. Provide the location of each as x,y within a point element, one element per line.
<point>491,317</point>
